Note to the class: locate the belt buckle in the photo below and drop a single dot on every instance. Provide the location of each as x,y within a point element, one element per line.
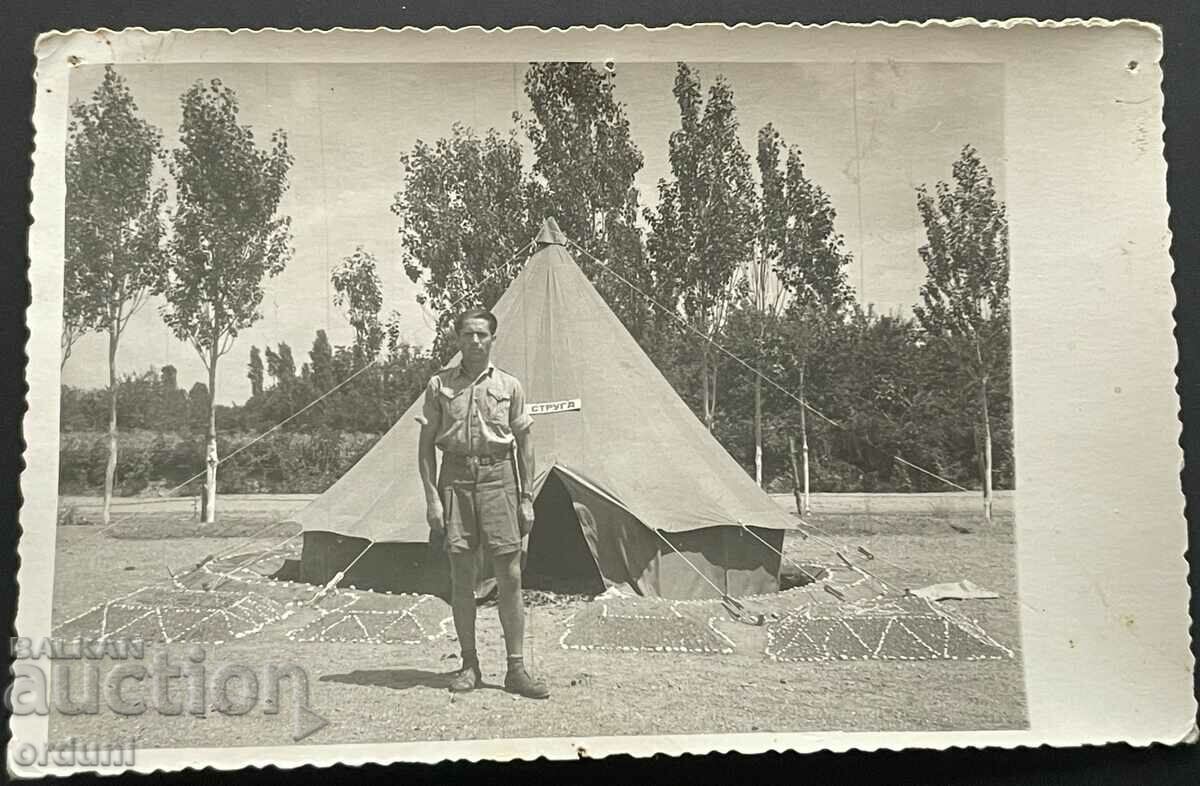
<point>473,463</point>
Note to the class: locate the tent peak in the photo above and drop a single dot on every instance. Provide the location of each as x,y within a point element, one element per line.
<point>550,234</point>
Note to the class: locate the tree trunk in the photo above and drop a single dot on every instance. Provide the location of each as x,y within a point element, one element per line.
<point>706,392</point>
<point>758,435</point>
<point>987,450</point>
<point>712,395</point>
<point>110,469</point>
<point>208,507</point>
<point>795,476</point>
<point>807,507</point>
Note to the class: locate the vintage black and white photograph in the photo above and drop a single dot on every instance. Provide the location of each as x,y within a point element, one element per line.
<point>604,396</point>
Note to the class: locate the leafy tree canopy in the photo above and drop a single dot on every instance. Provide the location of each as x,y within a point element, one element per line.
<point>466,215</point>
<point>228,235</point>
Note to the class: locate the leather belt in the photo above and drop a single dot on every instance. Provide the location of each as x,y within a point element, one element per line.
<point>473,461</point>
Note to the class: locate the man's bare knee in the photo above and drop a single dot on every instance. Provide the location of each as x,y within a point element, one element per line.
<point>508,570</point>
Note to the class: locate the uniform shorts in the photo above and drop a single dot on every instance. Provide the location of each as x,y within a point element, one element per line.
<point>480,507</point>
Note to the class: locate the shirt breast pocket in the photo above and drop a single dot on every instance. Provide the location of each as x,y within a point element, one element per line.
<point>498,405</point>
<point>454,403</point>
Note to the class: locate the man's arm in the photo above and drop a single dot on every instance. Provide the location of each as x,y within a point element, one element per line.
<point>427,464</point>
<point>525,466</point>
<point>520,422</point>
<point>430,420</point>
<point>525,458</point>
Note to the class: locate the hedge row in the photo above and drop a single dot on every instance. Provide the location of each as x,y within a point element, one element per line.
<point>283,462</point>
<point>306,463</point>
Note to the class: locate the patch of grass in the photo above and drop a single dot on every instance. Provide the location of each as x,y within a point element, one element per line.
<point>175,525</point>
<point>932,524</point>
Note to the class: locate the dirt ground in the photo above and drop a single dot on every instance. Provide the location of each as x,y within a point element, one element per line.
<point>378,693</point>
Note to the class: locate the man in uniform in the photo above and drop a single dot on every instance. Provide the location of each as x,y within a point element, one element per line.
<point>475,413</point>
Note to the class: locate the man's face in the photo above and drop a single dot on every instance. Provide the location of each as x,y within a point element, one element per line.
<point>475,340</point>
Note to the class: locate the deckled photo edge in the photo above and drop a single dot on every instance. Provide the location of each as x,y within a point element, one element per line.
<point>53,48</point>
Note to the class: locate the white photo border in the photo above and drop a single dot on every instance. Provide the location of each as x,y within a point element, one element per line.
<point>1095,409</point>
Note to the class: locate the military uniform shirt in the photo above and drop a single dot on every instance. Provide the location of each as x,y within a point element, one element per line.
<point>474,416</point>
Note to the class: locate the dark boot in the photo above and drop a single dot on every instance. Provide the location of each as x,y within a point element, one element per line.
<point>467,678</point>
<point>519,681</point>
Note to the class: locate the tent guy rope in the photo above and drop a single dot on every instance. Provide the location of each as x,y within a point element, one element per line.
<point>263,435</point>
<point>340,575</point>
<point>226,575</point>
<point>605,266</point>
<point>736,609</point>
<point>782,556</point>
<point>171,492</point>
<point>187,571</point>
<point>837,548</point>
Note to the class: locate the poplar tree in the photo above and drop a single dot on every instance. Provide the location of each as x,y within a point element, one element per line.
<point>704,229</point>
<point>800,269</point>
<point>358,291</point>
<point>228,236</point>
<point>586,160</point>
<point>965,297</point>
<point>114,229</point>
<point>254,372</point>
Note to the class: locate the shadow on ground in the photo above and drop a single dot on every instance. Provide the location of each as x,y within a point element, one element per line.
<point>398,679</point>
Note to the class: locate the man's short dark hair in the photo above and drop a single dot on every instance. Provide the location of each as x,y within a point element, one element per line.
<point>475,313</point>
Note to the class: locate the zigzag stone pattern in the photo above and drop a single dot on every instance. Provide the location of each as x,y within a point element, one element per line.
<point>643,627</point>
<point>902,628</point>
<point>424,618</point>
<point>170,614</point>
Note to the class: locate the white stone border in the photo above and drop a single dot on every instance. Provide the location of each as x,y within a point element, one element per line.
<point>276,612</point>
<point>569,625</point>
<point>863,610</point>
<point>349,612</point>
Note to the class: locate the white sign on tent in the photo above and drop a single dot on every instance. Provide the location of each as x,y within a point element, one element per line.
<point>552,407</point>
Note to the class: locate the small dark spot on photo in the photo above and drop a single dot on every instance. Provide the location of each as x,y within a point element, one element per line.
<point>73,60</point>
<point>1133,66</point>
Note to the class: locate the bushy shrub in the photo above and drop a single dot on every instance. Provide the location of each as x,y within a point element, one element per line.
<point>282,462</point>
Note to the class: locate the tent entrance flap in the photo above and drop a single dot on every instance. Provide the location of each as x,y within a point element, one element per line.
<point>562,553</point>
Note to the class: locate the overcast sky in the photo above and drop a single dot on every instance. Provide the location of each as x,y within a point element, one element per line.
<point>348,124</point>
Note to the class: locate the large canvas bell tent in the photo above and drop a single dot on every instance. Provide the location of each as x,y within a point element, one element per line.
<point>631,489</point>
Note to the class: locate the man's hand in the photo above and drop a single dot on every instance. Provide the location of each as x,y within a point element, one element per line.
<point>525,516</point>
<point>435,516</point>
